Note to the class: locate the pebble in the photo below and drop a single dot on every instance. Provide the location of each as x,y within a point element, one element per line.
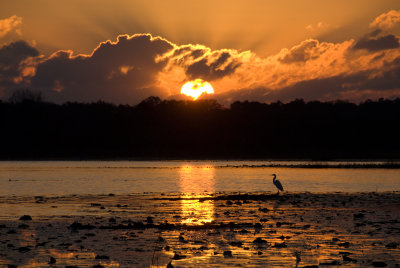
<point>25,218</point>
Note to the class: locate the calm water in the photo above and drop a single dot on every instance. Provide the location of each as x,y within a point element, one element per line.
<point>129,177</point>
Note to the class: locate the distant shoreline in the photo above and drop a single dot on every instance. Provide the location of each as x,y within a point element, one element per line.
<point>219,163</point>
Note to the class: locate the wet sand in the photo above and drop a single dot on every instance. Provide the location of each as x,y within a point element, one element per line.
<point>219,230</point>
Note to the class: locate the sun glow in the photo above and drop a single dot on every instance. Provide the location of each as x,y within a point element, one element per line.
<point>196,87</point>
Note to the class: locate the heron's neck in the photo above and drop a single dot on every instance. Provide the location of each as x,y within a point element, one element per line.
<point>274,177</point>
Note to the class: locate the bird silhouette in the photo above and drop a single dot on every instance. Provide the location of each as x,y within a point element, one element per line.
<point>277,183</point>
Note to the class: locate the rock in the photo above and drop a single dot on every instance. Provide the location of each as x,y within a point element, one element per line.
<point>90,234</point>
<point>227,253</point>
<point>358,216</point>
<point>236,243</point>
<point>379,264</point>
<point>25,218</point>
<point>259,240</point>
<point>149,220</point>
<point>52,260</point>
<point>258,225</point>
<point>139,225</point>
<point>23,249</point>
<point>265,210</point>
<point>102,257</point>
<point>334,262</point>
<point>280,245</point>
<point>392,245</point>
<point>344,244</point>
<point>79,226</point>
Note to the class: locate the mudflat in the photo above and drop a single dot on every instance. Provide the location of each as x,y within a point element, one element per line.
<point>219,230</point>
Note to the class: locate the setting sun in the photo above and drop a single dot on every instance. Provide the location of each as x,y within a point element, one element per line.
<point>196,87</point>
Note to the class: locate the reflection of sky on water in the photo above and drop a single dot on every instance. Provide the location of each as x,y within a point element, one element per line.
<point>122,177</point>
<point>38,256</point>
<point>196,182</point>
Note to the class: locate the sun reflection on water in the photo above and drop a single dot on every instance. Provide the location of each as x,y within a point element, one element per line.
<point>196,182</point>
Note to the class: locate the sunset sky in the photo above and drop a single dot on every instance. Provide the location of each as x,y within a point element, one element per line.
<point>124,51</point>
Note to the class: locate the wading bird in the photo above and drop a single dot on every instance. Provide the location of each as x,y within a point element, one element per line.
<point>277,183</point>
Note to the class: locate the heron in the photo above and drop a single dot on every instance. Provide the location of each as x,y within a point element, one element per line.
<point>277,183</point>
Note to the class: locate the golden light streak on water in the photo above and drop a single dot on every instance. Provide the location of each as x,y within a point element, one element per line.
<point>196,182</point>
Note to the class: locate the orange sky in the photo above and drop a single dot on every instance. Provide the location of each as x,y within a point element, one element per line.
<point>256,49</point>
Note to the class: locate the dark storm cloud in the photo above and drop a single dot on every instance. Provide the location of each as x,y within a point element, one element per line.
<point>380,43</point>
<point>212,67</point>
<point>120,72</point>
<point>11,58</point>
<point>318,89</point>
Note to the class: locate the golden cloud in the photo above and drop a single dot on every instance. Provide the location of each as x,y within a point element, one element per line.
<point>387,20</point>
<point>135,67</point>
<point>11,24</point>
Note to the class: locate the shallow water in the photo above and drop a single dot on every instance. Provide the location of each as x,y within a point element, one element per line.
<point>55,178</point>
<point>355,230</point>
<point>323,227</point>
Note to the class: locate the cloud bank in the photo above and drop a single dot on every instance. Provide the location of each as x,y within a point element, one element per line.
<point>132,68</point>
<point>17,64</point>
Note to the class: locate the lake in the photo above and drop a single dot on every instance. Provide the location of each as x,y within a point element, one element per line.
<point>151,213</point>
<point>55,178</point>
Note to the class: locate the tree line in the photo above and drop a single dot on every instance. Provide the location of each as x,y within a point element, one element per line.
<point>203,129</point>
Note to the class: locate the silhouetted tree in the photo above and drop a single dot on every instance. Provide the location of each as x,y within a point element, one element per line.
<point>158,128</point>
<point>25,95</point>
